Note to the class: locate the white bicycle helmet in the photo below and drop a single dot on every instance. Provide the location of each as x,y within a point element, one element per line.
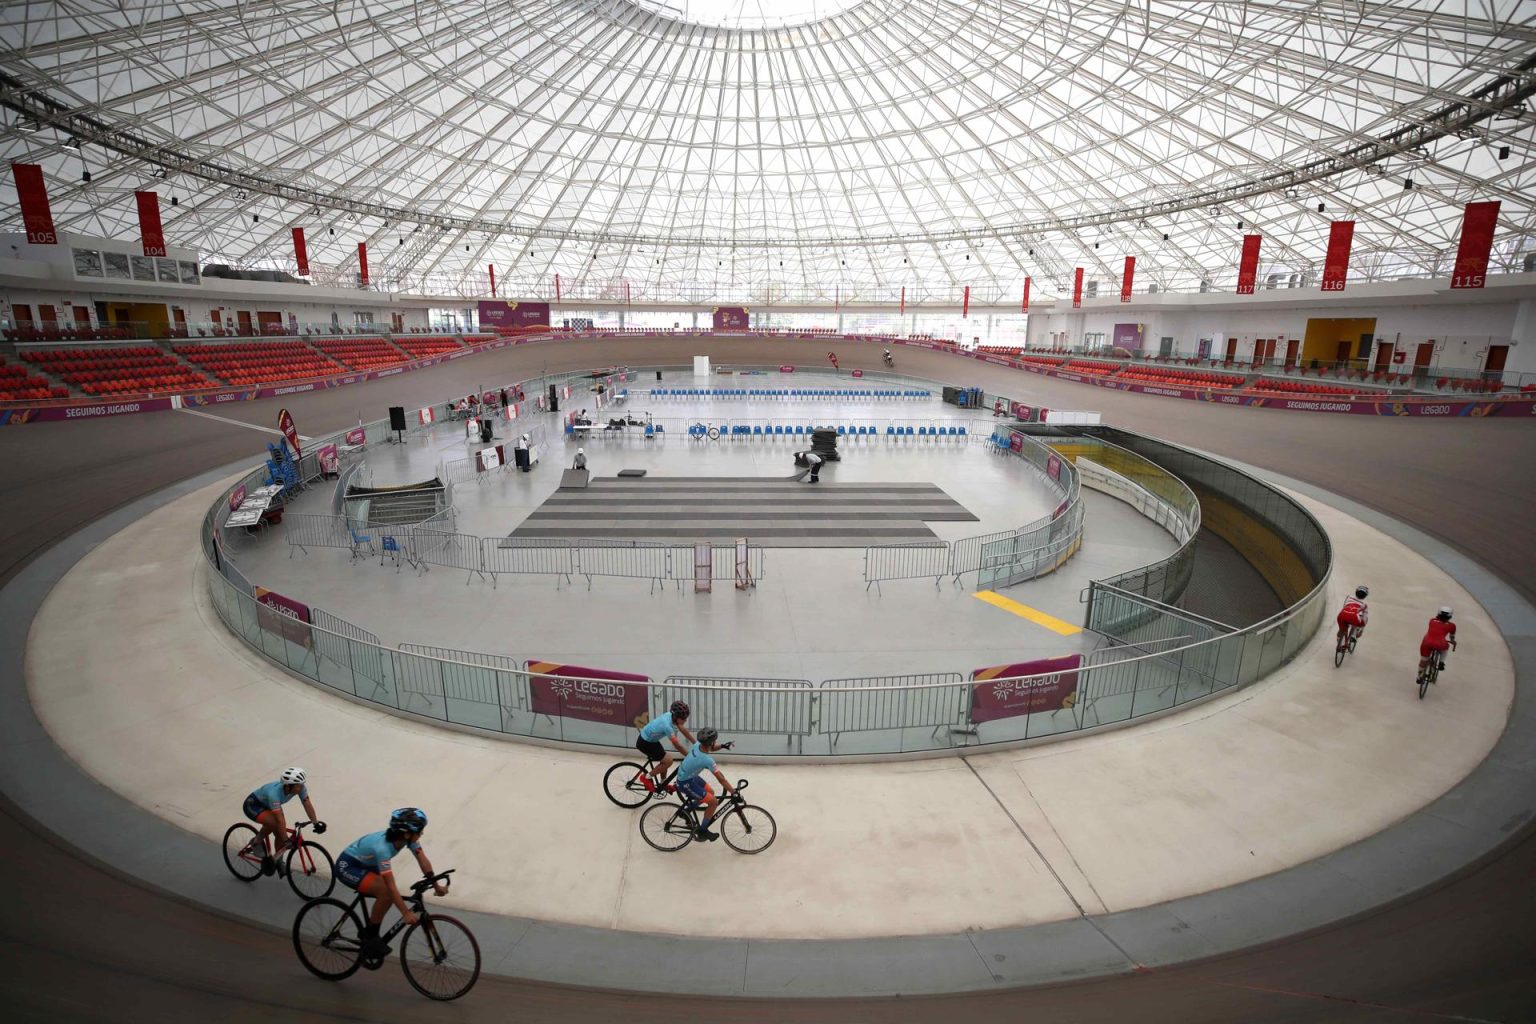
<point>1445,613</point>
<point>292,777</point>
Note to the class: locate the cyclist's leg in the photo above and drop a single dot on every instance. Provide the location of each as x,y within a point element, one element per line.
<point>709,802</point>
<point>279,826</point>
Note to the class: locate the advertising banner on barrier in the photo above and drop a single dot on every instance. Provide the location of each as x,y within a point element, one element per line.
<point>424,416</point>
<point>150,231</point>
<point>1248,269</point>
<point>999,694</point>
<point>329,457</point>
<point>590,694</point>
<point>504,314</point>
<point>236,496</point>
<point>284,616</point>
<point>1478,222</point>
<point>357,435</point>
<point>786,368</point>
<point>731,318</point>
<point>36,217</point>
<point>1053,467</point>
<point>1336,264</point>
<point>289,431</point>
<point>1016,442</point>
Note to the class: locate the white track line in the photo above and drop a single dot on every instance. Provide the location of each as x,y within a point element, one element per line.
<point>237,423</point>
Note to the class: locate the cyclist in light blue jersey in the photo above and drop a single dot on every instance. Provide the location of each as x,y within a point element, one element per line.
<point>662,727</point>
<point>692,784</point>
<point>264,806</point>
<point>366,867</point>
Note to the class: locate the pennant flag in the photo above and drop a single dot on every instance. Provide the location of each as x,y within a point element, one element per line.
<point>300,252</point>
<point>1125,280</point>
<point>1077,289</point>
<point>1336,265</point>
<point>1248,269</point>
<point>1477,225</point>
<point>150,231</point>
<point>362,263</point>
<point>35,214</point>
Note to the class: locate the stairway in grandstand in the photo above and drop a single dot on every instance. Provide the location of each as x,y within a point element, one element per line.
<point>396,506</point>
<point>771,512</point>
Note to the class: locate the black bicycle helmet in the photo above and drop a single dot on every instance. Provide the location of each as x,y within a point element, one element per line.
<point>708,736</point>
<point>408,819</point>
<point>679,709</point>
<point>1362,592</point>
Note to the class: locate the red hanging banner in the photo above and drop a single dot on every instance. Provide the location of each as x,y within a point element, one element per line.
<point>903,309</point>
<point>1077,289</point>
<point>289,431</point>
<point>362,263</point>
<point>1248,269</point>
<point>300,252</point>
<point>965,303</point>
<point>1125,280</point>
<point>1025,307</point>
<point>492,268</point>
<point>557,287</point>
<point>1477,225</point>
<point>1336,264</point>
<point>150,231</point>
<point>35,215</point>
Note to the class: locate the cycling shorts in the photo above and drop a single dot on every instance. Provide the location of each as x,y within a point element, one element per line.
<point>650,748</point>
<point>254,808</point>
<point>352,872</point>
<point>1427,645</point>
<point>1350,619</point>
<point>695,787</point>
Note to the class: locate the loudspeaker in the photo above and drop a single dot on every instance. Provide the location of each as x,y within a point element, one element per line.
<point>658,375</point>
<point>397,417</point>
<point>485,431</point>
<point>554,398</point>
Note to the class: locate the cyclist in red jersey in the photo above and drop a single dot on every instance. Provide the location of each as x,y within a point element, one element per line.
<point>1354,613</point>
<point>1440,636</point>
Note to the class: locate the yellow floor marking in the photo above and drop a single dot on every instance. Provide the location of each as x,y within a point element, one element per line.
<point>1039,618</point>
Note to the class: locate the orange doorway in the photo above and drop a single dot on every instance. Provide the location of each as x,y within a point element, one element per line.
<point>82,318</point>
<point>1383,357</point>
<point>1231,349</point>
<point>244,320</point>
<point>1422,357</point>
<point>1292,349</point>
<point>1493,366</point>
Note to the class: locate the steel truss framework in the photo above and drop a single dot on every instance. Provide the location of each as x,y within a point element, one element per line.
<point>925,145</point>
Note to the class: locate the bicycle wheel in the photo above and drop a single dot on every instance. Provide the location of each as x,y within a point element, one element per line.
<point>311,872</point>
<point>1354,638</point>
<point>243,851</point>
<point>623,786</point>
<point>440,957</point>
<point>748,829</point>
<point>1339,650</point>
<point>1425,678</point>
<point>329,939</point>
<point>666,827</point>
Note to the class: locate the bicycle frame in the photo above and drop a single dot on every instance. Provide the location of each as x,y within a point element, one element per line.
<point>296,842</point>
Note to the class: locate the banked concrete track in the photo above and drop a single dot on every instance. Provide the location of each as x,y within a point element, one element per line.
<point>85,943</point>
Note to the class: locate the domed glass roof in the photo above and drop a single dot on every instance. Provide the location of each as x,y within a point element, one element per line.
<point>748,149</point>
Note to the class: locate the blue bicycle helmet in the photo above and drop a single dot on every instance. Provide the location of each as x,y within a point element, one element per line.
<point>408,819</point>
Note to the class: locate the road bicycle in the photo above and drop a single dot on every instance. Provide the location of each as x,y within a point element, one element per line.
<point>625,782</point>
<point>308,867</point>
<point>1345,645</point>
<point>746,828</point>
<point>1431,672</point>
<point>439,956</point>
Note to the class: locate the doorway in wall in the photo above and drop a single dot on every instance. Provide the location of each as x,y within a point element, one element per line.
<point>22,313</point>
<point>1422,357</point>
<point>48,315</point>
<point>1383,361</point>
<point>1231,350</point>
<point>1292,351</point>
<point>179,318</point>
<point>82,318</point>
<point>1331,341</point>
<point>269,322</point>
<point>397,323</point>
<point>1165,347</point>
<point>1493,366</point>
<point>244,320</point>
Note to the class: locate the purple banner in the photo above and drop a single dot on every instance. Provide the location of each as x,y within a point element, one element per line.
<point>998,694</point>
<point>598,695</point>
<point>236,497</point>
<point>283,615</point>
<point>357,435</point>
<point>730,318</point>
<point>1053,467</point>
<point>513,315</point>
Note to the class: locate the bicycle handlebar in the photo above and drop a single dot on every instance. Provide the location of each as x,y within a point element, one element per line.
<point>418,888</point>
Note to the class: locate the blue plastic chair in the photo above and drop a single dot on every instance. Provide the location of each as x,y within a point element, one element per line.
<point>922,431</point>
<point>889,430</point>
<point>909,431</point>
<point>757,431</point>
<point>799,430</point>
<point>840,431</point>
<point>962,432</point>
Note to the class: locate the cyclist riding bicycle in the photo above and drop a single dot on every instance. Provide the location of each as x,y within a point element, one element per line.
<point>662,727</point>
<point>365,867</point>
<point>888,359</point>
<point>264,806</point>
<point>1440,636</point>
<point>692,784</point>
<point>1354,613</point>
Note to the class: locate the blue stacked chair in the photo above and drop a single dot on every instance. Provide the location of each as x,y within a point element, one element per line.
<point>909,431</point>
<point>840,431</point>
<point>890,431</point>
<point>757,431</point>
<point>799,430</point>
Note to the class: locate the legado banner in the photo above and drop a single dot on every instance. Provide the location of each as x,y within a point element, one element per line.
<point>284,616</point>
<point>590,694</point>
<point>291,432</point>
<point>999,693</point>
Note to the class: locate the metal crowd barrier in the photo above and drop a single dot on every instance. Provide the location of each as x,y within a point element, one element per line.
<point>933,700</point>
<point>771,706</point>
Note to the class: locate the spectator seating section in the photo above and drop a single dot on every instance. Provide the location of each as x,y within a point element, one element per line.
<point>360,353</point>
<point>1298,387</point>
<point>421,348</point>
<point>1091,367</point>
<point>1181,378</point>
<point>259,362</point>
<point>17,384</point>
<point>117,371</point>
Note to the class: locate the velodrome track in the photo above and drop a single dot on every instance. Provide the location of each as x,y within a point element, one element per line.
<point>82,944</point>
